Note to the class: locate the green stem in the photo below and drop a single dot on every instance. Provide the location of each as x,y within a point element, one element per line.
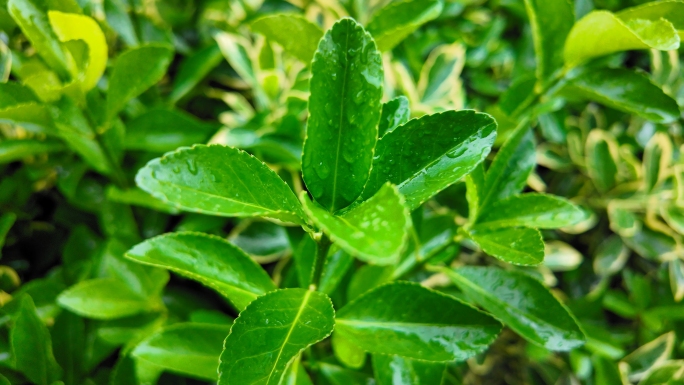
<point>321,254</point>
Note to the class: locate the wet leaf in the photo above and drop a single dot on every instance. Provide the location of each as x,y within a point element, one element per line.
<point>396,370</point>
<point>535,210</point>
<point>344,110</point>
<point>395,113</point>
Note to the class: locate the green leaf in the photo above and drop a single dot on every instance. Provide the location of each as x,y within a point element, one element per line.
<point>541,211</point>
<point>16,149</point>
<point>14,93</point>
<point>397,20</point>
<point>375,231</point>
<point>551,21</point>
<point>405,319</point>
<point>601,159</point>
<point>344,110</point>
<point>517,97</point>
<point>70,26</point>
<point>31,16</point>
<point>426,155</point>
<point>395,113</point>
<point>671,10</point>
<point>516,245</point>
<point>6,222</point>
<point>186,348</point>
<point>162,130</point>
<point>138,197</point>
<point>295,374</point>
<point>602,32</point>
<point>103,298</point>
<point>664,374</point>
<point>193,69</point>
<point>219,180</point>
<point>522,303</point>
<point>271,332</point>
<point>31,116</point>
<point>32,345</point>
<point>69,341</point>
<point>624,90</point>
<point>347,353</point>
<point>135,71</point>
<point>657,159</point>
<point>611,256</point>
<point>294,33</point>
<point>510,168</point>
<point>649,355</point>
<point>208,259</point>
<point>4,380</point>
<point>396,370</point>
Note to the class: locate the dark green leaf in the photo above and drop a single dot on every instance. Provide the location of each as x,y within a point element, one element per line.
<point>535,210</point>
<point>397,20</point>
<point>375,231</point>
<point>624,90</point>
<point>412,321</point>
<point>186,348</point>
<point>296,34</point>
<point>135,71</point>
<point>162,130</point>
<point>208,259</point>
<point>551,21</point>
<point>272,331</point>
<point>426,155</point>
<point>344,110</point>
<point>16,149</point>
<point>138,197</point>
<point>32,345</point>
<point>193,70</point>
<point>522,303</point>
<point>219,180</point>
<point>395,113</point>
<point>601,159</point>
<point>395,370</point>
<point>516,245</point>
<point>69,346</point>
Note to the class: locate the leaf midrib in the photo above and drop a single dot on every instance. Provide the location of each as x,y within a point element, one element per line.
<point>341,120</point>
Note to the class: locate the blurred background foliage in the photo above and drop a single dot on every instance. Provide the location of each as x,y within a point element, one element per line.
<point>70,208</point>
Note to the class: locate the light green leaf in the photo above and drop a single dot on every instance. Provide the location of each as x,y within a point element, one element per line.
<point>406,319</point>
<point>395,113</point>
<point>510,168</point>
<point>665,374</point>
<point>426,155</point>
<point>347,353</point>
<point>657,160</point>
<point>397,20</point>
<point>601,159</point>
<point>32,345</point>
<point>516,245</point>
<point>33,117</point>
<point>551,21</point>
<point>185,348</point>
<point>162,130</point>
<point>522,303</point>
<point>31,16</point>
<point>673,215</point>
<point>71,26</point>
<point>103,298</point>
<point>602,32</point>
<point>671,10</point>
<point>135,71</point>
<point>17,149</point>
<point>611,256</point>
<point>295,374</point>
<point>193,69</point>
<point>344,110</point>
<point>624,90</point>
<point>5,62</point>
<point>271,332</point>
<point>541,211</point>
<point>208,259</point>
<point>559,256</point>
<point>296,34</point>
<point>396,370</point>
<point>375,231</point>
<point>219,180</point>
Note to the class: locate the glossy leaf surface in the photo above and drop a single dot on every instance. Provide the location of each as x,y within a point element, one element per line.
<point>516,245</point>
<point>374,231</point>
<point>272,331</point>
<point>218,180</point>
<point>430,326</point>
<point>395,370</point>
<point>426,155</point>
<point>294,33</point>
<point>535,210</point>
<point>186,348</point>
<point>395,113</point>
<point>344,110</point>
<point>135,71</point>
<point>551,21</point>
<point>397,20</point>
<point>208,259</point>
<point>522,303</point>
<point>103,298</point>
<point>625,90</point>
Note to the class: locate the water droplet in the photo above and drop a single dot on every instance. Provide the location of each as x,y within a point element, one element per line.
<point>322,169</point>
<point>192,166</point>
